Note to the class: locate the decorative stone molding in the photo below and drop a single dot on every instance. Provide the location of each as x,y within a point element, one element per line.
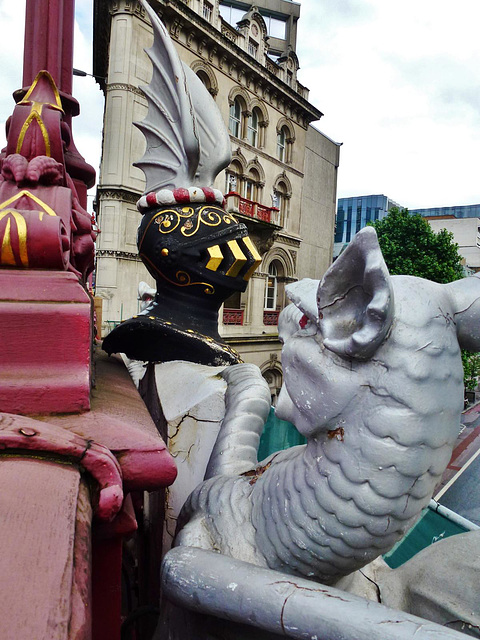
<point>190,38</point>
<point>222,61</point>
<point>258,104</point>
<point>230,33</point>
<point>118,194</point>
<point>176,28</point>
<point>255,164</point>
<point>121,86</point>
<point>289,240</point>
<point>240,92</point>
<point>121,255</point>
<point>200,66</point>
<point>202,46</point>
<point>128,6</point>
<point>286,181</point>
<point>288,124</point>
<point>283,257</point>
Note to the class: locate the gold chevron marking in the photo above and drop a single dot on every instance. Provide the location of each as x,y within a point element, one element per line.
<point>36,111</point>
<point>240,259</point>
<point>256,256</point>
<point>36,199</point>
<point>35,116</point>
<point>6,250</point>
<point>216,257</point>
<point>51,81</point>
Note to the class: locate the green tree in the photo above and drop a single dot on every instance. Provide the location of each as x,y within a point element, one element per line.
<point>411,247</point>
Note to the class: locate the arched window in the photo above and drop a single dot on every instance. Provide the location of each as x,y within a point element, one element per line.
<point>233,177</point>
<point>252,128</point>
<point>282,144</point>
<point>252,185</point>
<point>271,288</point>
<point>235,119</point>
<point>205,79</point>
<point>282,196</point>
<point>274,381</point>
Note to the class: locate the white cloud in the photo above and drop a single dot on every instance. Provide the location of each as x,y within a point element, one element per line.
<point>398,84</point>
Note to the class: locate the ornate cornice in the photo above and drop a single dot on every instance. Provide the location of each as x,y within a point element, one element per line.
<point>119,86</point>
<point>127,6</point>
<point>120,255</point>
<point>123,195</point>
<point>230,54</point>
<point>284,239</point>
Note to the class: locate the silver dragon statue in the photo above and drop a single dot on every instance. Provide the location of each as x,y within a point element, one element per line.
<point>373,379</point>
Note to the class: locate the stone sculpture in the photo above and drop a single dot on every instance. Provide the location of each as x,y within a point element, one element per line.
<point>374,380</point>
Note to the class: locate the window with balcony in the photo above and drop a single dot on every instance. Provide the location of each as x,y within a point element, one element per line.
<point>235,119</point>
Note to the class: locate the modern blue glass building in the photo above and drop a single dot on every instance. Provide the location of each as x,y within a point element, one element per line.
<point>354,213</point>
<point>463,211</point>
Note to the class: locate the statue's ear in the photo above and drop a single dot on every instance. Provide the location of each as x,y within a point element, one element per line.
<point>355,299</point>
<point>465,296</point>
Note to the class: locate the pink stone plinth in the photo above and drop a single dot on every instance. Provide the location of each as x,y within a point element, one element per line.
<point>45,342</point>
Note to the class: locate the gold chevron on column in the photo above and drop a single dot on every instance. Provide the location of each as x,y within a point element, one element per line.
<point>216,257</point>
<point>240,258</point>
<point>256,256</point>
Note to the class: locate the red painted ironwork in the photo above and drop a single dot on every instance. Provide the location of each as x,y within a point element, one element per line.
<point>264,213</point>
<point>233,316</point>
<point>270,318</point>
<point>251,208</point>
<point>21,433</point>
<point>49,26</point>
<point>246,207</point>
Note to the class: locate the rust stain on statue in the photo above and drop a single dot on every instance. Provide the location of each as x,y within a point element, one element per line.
<point>337,433</point>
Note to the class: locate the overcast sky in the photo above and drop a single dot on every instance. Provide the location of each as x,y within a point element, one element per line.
<point>398,83</point>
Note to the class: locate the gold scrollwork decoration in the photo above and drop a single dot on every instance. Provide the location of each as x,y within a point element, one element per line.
<point>169,220</point>
<point>183,278</point>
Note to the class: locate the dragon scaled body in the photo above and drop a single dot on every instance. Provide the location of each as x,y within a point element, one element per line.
<point>374,380</point>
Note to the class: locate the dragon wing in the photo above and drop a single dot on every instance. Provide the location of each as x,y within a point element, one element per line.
<point>187,142</point>
<point>215,147</point>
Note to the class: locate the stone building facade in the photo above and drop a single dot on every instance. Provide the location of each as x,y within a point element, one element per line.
<point>282,178</point>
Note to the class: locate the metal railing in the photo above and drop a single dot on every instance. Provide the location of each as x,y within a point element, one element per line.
<point>270,318</point>
<point>233,316</point>
<point>252,209</point>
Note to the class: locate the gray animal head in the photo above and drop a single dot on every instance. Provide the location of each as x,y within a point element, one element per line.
<point>361,334</point>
